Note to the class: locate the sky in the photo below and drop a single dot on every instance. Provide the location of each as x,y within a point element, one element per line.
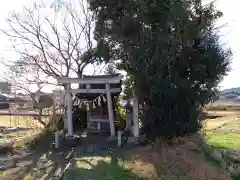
<point>231,38</point>
<point>229,35</point>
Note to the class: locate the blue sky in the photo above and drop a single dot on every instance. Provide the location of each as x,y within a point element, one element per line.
<point>229,35</point>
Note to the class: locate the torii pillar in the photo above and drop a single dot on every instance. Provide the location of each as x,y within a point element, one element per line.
<point>135,116</point>
<point>69,110</point>
<point>110,110</point>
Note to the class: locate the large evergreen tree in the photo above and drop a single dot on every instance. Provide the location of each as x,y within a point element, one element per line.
<point>172,53</point>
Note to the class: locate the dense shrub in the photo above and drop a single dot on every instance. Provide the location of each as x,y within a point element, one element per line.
<point>171,52</point>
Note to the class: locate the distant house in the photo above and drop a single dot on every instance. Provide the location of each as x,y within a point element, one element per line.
<point>4,102</point>
<point>5,88</point>
<point>20,100</point>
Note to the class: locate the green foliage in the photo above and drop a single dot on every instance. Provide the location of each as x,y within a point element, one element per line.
<point>120,115</point>
<point>223,140</point>
<point>172,53</point>
<point>110,69</point>
<point>127,89</point>
<point>223,159</point>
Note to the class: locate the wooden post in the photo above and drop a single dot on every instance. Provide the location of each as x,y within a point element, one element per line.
<point>65,117</point>
<point>98,127</point>
<point>110,110</point>
<point>135,116</point>
<point>69,111</point>
<point>88,118</point>
<point>119,138</point>
<point>57,139</point>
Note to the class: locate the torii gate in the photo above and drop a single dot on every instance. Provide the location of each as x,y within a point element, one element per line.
<point>108,90</point>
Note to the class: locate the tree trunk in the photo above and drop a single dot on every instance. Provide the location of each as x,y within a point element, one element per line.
<point>40,118</point>
<point>80,76</point>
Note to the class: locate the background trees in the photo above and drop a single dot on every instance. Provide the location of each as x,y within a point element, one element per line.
<point>53,39</point>
<point>53,36</point>
<point>172,53</point>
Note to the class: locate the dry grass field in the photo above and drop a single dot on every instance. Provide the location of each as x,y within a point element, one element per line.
<point>222,126</point>
<point>15,128</point>
<point>224,108</point>
<point>222,135</point>
<point>18,121</point>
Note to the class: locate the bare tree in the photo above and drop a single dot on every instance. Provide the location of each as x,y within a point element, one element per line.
<point>26,78</point>
<point>23,77</point>
<point>55,37</point>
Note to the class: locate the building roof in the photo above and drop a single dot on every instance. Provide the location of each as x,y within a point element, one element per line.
<point>101,85</point>
<point>99,76</point>
<point>91,96</point>
<point>100,79</point>
<point>91,82</point>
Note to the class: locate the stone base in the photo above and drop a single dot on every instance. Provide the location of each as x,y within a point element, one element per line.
<point>136,140</point>
<point>112,138</point>
<point>133,140</point>
<point>71,141</point>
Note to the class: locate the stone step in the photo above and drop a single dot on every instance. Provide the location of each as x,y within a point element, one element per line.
<point>7,165</point>
<point>24,163</point>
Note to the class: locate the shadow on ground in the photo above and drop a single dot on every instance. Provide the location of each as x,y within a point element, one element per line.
<point>44,163</point>
<point>182,159</point>
<point>100,159</point>
<point>96,168</point>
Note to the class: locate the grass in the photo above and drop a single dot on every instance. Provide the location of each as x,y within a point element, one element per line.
<point>103,170</point>
<point>220,145</point>
<point>214,124</point>
<point>223,140</point>
<point>219,148</point>
<point>225,121</point>
<point>18,121</point>
<point>224,108</point>
<point>176,166</point>
<point>171,162</point>
<point>222,160</point>
<point>26,130</point>
<point>103,167</point>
